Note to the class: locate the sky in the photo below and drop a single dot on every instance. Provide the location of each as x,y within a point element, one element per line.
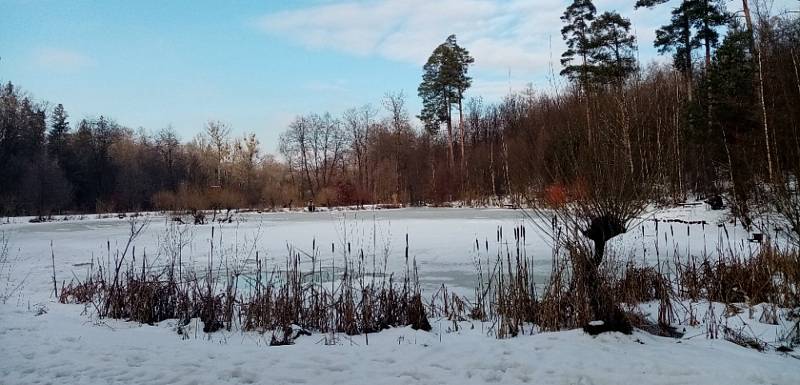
<point>257,64</point>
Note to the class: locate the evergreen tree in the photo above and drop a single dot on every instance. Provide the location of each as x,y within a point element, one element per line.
<point>693,25</point>
<point>57,137</point>
<point>735,121</point>
<point>32,128</point>
<point>444,81</point>
<point>577,34</point>
<point>731,81</point>
<point>649,3</point>
<point>708,15</point>
<point>435,95</point>
<point>614,47</point>
<point>676,37</point>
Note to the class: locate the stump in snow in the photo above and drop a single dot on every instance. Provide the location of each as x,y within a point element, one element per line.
<point>617,322</point>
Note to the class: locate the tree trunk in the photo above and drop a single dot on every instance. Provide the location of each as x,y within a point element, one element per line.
<point>626,129</point>
<point>585,85</point>
<point>451,153</point>
<point>688,59</point>
<point>730,172</point>
<point>600,230</point>
<point>759,83</point>
<point>505,164</point>
<point>304,161</point>
<point>706,69</point>
<point>432,150</point>
<point>796,72</point>
<point>491,167</point>
<point>747,18</point>
<point>706,41</point>
<point>463,135</point>
<point>676,124</point>
<point>397,163</point>
<point>591,280</point>
<point>599,251</point>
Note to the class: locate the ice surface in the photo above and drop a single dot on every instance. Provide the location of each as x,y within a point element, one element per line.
<point>45,342</point>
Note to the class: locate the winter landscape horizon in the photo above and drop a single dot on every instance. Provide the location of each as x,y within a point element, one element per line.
<point>349,192</point>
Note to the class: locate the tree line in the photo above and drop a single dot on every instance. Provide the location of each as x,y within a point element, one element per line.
<point>721,119</point>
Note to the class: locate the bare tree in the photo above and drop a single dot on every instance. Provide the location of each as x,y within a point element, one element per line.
<point>316,145</point>
<point>218,135</point>
<point>394,103</point>
<point>294,144</point>
<point>167,143</point>
<point>358,123</point>
<point>246,160</point>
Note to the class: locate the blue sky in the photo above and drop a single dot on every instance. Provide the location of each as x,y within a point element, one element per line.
<point>257,64</point>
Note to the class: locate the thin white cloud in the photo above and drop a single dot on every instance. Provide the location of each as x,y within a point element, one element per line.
<point>517,37</point>
<point>61,60</point>
<point>510,40</point>
<point>408,30</point>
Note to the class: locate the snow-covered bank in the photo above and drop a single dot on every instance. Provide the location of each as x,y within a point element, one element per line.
<point>64,347</point>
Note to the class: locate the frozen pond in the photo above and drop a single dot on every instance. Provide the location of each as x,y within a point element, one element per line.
<point>442,241</point>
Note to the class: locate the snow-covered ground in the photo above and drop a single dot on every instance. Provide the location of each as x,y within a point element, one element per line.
<point>42,341</point>
<point>62,347</point>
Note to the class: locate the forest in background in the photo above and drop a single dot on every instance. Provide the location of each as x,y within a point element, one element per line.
<point>722,119</point>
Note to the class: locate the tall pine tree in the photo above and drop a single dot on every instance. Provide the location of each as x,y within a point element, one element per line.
<point>693,25</point>
<point>614,48</point>
<point>57,136</point>
<point>577,35</point>
<point>444,81</point>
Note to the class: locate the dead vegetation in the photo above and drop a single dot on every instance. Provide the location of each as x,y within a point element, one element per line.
<point>771,275</point>
<point>226,294</point>
<point>310,293</point>
<point>513,304</point>
<point>9,286</point>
